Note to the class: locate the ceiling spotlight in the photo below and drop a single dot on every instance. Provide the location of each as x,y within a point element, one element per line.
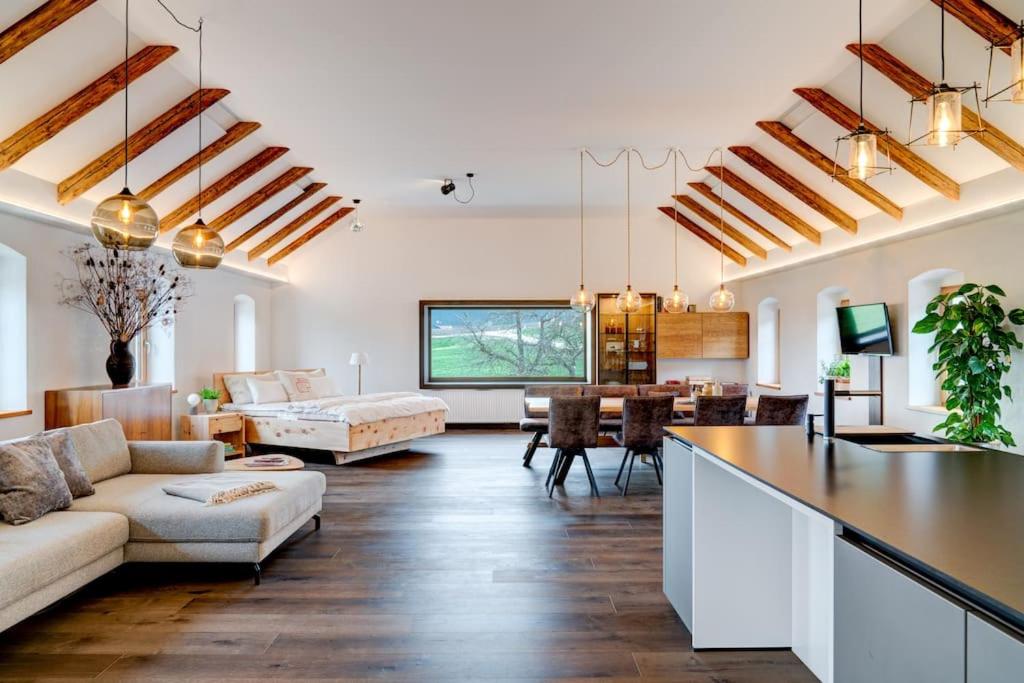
<point>357,225</point>
<point>448,188</point>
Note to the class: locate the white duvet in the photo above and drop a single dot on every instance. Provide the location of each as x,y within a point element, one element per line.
<point>355,410</point>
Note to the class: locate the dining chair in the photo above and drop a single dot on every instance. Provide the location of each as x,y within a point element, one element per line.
<point>538,424</point>
<point>572,429</point>
<point>781,410</point>
<point>719,410</point>
<point>610,422</point>
<point>663,390</point>
<point>644,419</point>
<point>735,389</point>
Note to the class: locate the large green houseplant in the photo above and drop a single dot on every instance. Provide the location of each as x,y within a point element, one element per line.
<point>973,343</point>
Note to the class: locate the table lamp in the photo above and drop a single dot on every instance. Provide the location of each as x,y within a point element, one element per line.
<point>359,359</point>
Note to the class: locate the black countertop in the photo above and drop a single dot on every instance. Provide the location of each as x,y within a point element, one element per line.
<point>956,516</point>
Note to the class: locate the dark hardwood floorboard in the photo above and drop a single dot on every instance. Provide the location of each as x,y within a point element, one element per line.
<point>448,563</point>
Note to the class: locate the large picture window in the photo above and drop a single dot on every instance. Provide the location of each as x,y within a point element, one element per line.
<point>502,343</point>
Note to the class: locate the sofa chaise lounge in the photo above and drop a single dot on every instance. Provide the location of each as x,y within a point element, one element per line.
<point>131,519</point>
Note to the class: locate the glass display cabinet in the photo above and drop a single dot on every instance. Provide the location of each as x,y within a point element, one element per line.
<point>626,344</point>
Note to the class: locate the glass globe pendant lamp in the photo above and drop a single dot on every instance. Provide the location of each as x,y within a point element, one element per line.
<point>628,301</point>
<point>198,246</point>
<point>582,301</point>
<point>677,301</point>
<point>722,300</point>
<point>124,221</point>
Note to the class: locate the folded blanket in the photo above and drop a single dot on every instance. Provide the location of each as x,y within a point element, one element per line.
<point>218,489</point>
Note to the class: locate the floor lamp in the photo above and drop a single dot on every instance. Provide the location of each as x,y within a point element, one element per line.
<point>359,359</point>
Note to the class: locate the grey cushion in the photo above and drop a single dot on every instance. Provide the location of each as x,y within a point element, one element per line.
<point>66,455</point>
<point>154,516</point>
<point>176,457</point>
<point>31,483</point>
<point>534,424</point>
<point>33,556</point>
<point>102,449</point>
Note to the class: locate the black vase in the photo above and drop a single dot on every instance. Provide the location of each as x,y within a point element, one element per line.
<point>120,364</point>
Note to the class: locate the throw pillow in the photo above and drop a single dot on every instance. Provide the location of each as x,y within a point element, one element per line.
<point>31,483</point>
<point>238,387</point>
<point>64,452</point>
<point>266,391</point>
<point>323,387</point>
<point>297,384</point>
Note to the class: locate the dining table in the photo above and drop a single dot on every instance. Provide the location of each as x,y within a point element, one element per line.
<point>538,406</point>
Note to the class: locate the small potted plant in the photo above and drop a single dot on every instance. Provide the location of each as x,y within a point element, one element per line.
<point>210,398</point>
<point>838,369</point>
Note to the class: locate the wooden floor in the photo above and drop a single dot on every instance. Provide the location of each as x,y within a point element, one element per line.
<point>448,563</point>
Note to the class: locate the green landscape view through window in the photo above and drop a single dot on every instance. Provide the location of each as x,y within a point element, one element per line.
<point>509,344</point>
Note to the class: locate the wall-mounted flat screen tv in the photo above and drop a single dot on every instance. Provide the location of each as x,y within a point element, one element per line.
<point>865,329</point>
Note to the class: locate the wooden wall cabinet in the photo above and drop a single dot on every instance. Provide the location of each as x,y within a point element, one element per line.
<point>143,411</point>
<point>704,335</point>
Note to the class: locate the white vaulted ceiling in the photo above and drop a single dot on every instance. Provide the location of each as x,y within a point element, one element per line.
<point>384,98</point>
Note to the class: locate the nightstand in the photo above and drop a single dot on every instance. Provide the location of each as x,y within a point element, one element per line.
<point>226,427</point>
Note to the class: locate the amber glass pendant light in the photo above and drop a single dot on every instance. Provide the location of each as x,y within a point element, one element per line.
<point>628,301</point>
<point>197,246</point>
<point>583,300</point>
<point>722,300</point>
<point>677,301</point>
<point>124,221</point>
<point>944,104</point>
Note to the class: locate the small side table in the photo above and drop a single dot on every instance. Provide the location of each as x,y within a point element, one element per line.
<point>226,427</point>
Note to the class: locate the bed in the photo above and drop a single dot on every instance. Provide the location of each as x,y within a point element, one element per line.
<point>350,427</point>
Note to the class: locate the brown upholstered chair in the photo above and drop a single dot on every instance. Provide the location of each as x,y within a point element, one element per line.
<point>610,422</point>
<point>538,424</point>
<point>664,389</point>
<point>735,389</point>
<point>781,410</point>
<point>719,410</point>
<point>573,428</point>
<point>644,419</point>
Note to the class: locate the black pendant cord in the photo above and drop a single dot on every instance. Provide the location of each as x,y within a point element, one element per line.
<point>675,214</point>
<point>629,228</point>
<point>942,41</point>
<point>860,43</point>
<point>126,94</point>
<point>721,218</point>
<point>199,115</point>
<point>581,219</point>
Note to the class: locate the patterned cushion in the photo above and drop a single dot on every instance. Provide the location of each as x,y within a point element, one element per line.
<point>31,483</point>
<point>66,455</point>
<point>297,384</point>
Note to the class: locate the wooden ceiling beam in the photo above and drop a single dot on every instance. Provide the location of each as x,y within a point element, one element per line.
<point>782,133</point>
<point>899,153</point>
<point>234,134</point>
<point>289,177</point>
<point>710,194</point>
<point>916,85</point>
<point>766,203</point>
<point>37,24</point>
<point>281,234</point>
<point>982,18</point>
<point>773,172</point>
<point>704,235</point>
<point>81,103</point>
<point>710,218</point>
<point>222,186</point>
<point>153,132</point>
<point>310,234</point>
<point>291,204</point>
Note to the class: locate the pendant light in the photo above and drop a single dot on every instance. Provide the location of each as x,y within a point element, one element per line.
<point>357,225</point>
<point>582,301</point>
<point>197,246</point>
<point>722,300</point>
<point>677,301</point>
<point>863,151</point>
<point>628,301</point>
<point>944,103</point>
<point>124,221</point>
<point>1013,40</point>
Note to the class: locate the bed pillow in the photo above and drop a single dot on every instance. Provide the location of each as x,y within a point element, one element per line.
<point>238,387</point>
<point>31,482</point>
<point>266,391</point>
<point>323,387</point>
<point>297,384</point>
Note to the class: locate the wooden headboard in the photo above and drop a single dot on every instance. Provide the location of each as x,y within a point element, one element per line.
<point>225,397</point>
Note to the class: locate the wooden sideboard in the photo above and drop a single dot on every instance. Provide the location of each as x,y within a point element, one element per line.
<point>703,335</point>
<point>144,411</point>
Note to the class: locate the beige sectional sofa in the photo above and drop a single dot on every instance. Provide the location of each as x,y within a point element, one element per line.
<point>131,519</point>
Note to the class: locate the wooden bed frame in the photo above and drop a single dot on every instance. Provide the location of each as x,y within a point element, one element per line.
<point>348,443</point>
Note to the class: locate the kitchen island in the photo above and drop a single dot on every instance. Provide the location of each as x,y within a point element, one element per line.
<point>870,565</point>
